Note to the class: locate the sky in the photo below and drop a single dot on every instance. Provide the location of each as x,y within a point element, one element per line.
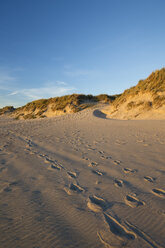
<point>51,48</point>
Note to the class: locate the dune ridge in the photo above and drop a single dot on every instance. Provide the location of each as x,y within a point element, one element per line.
<point>146,100</point>
<point>56,106</point>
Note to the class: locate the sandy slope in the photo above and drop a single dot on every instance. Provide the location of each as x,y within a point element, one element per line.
<point>140,110</point>
<point>82,181</point>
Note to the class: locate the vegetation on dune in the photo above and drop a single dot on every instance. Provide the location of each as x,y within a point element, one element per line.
<point>145,105</point>
<point>159,101</point>
<point>59,103</point>
<point>75,102</point>
<point>106,98</point>
<point>154,84</point>
<point>7,109</point>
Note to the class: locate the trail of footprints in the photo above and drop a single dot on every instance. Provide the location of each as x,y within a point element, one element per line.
<point>53,164</point>
<point>9,187</point>
<point>122,235</point>
<point>118,233</point>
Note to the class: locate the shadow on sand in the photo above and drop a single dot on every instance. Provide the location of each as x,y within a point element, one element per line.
<point>99,114</point>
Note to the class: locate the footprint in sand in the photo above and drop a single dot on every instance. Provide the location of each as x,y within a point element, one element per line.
<point>16,183</point>
<point>133,201</point>
<point>118,183</point>
<point>159,192</point>
<point>118,229</point>
<point>108,157</point>
<point>48,160</point>
<point>105,157</point>
<point>96,204</point>
<point>73,188</point>
<point>76,187</point>
<point>149,179</point>
<point>97,182</point>
<point>9,186</point>
<point>33,152</point>
<point>27,150</point>
<point>92,164</point>
<point>54,167</point>
<point>85,158</point>
<point>142,235</point>
<point>72,174</point>
<point>91,149</point>
<point>54,164</point>
<point>128,170</point>
<point>116,162</point>
<point>41,155</point>
<point>7,189</point>
<point>97,172</point>
<point>101,152</point>
<point>116,234</point>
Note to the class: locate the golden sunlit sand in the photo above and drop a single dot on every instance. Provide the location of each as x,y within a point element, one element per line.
<point>82,180</point>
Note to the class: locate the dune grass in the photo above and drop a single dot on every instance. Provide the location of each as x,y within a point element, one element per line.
<point>154,84</point>
<point>7,109</point>
<point>76,102</point>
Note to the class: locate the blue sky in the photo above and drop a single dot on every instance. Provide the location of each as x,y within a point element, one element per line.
<point>55,47</point>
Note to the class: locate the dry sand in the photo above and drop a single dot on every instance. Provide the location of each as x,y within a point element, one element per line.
<point>140,111</point>
<point>82,180</point>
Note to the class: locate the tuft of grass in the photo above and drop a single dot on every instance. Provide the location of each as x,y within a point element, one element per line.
<point>154,84</point>
<point>131,105</point>
<point>7,109</point>
<point>29,116</point>
<point>147,105</point>
<point>159,101</point>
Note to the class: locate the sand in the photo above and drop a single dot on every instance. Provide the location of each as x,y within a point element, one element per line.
<point>143,109</point>
<point>82,180</point>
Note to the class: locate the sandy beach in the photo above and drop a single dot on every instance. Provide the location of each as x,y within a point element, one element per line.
<point>82,181</point>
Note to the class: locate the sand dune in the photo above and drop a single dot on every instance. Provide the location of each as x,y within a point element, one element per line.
<point>145,101</point>
<point>138,111</point>
<point>82,180</point>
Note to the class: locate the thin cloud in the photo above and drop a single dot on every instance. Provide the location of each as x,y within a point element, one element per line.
<point>13,93</point>
<point>42,92</point>
<point>54,83</point>
<point>61,83</point>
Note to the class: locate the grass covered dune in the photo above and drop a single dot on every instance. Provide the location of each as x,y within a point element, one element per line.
<point>84,180</point>
<point>146,100</point>
<point>56,106</point>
